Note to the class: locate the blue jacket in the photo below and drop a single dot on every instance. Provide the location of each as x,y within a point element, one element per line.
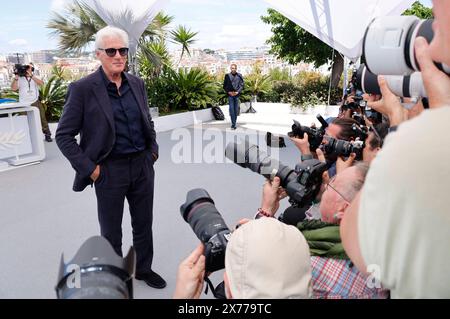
<point>88,112</point>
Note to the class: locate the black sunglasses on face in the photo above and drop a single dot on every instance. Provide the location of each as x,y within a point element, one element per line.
<point>111,52</point>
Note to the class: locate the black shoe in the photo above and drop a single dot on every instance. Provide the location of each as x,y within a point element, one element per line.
<point>152,279</point>
<point>48,138</point>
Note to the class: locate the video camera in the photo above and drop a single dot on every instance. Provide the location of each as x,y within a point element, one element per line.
<point>22,69</point>
<point>202,215</point>
<point>302,184</point>
<point>315,135</point>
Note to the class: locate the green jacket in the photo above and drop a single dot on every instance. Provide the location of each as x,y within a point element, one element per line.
<point>324,239</point>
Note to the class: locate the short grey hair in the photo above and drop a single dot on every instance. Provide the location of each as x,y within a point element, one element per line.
<point>110,32</point>
<point>351,189</point>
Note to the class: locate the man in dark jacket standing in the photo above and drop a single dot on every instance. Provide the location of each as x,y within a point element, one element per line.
<point>233,84</point>
<point>117,147</point>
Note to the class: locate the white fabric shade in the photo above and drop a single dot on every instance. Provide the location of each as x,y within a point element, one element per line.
<point>133,16</point>
<point>339,23</point>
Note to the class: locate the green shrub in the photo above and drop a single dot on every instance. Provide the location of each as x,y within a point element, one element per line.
<point>193,89</point>
<point>53,97</point>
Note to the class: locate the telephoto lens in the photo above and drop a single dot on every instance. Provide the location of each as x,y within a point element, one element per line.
<point>388,45</point>
<point>208,225</point>
<point>404,86</point>
<point>302,184</point>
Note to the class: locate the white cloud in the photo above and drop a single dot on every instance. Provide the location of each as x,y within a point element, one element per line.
<point>241,35</point>
<point>19,42</point>
<point>199,2</point>
<point>58,5</point>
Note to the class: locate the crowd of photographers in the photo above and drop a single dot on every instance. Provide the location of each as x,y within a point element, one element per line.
<point>393,204</point>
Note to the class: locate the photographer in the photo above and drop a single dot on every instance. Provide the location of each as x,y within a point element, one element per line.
<point>340,128</point>
<point>374,142</point>
<point>333,274</point>
<point>400,220</point>
<point>28,86</point>
<point>252,265</point>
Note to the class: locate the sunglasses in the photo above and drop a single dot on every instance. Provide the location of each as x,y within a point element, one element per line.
<point>111,52</point>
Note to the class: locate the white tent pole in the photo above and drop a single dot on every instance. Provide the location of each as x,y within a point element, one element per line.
<point>331,78</point>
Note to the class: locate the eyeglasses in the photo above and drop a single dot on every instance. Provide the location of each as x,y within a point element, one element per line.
<point>329,185</point>
<point>111,52</point>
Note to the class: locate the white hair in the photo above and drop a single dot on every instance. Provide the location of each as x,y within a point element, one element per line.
<point>110,32</point>
<point>352,188</point>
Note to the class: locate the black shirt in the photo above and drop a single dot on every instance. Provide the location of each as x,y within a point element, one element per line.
<point>127,118</point>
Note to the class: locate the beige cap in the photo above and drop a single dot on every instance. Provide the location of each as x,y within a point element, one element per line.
<point>268,259</point>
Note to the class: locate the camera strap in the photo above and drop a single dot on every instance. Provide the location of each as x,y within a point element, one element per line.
<point>29,83</point>
<point>218,292</point>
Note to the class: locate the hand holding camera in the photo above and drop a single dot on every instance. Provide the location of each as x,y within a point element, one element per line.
<point>191,273</point>
<point>389,104</point>
<point>272,194</point>
<point>436,82</point>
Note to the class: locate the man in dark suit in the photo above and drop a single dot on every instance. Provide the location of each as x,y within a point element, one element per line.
<point>117,147</point>
<point>233,84</point>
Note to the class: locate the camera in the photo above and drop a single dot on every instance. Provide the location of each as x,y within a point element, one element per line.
<point>315,135</point>
<point>388,45</point>
<point>208,225</point>
<point>96,272</point>
<point>335,147</point>
<point>302,184</point>
<point>21,69</point>
<point>404,86</point>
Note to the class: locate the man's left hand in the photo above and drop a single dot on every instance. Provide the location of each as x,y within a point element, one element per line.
<point>155,157</point>
<point>191,273</point>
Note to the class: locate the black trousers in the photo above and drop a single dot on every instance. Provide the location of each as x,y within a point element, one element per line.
<point>131,178</point>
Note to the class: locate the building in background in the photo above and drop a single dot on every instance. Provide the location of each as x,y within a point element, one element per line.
<point>43,56</point>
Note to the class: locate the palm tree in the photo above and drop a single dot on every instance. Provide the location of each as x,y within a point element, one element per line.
<point>185,37</point>
<point>256,82</point>
<point>52,96</point>
<point>77,26</point>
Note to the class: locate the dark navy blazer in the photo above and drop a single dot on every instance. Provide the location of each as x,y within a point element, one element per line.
<point>88,112</point>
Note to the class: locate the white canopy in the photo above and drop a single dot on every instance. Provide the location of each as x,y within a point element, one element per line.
<point>339,23</point>
<point>133,16</point>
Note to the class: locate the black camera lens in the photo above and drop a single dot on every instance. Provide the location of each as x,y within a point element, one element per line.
<point>300,184</point>
<point>335,147</point>
<point>96,272</point>
<point>208,225</point>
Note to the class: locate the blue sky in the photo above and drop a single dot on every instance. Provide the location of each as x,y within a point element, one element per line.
<point>228,24</point>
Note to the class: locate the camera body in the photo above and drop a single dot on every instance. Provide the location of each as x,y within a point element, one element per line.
<point>201,214</point>
<point>315,135</point>
<point>21,69</point>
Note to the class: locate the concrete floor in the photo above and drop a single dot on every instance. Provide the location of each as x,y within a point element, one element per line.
<point>41,217</point>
